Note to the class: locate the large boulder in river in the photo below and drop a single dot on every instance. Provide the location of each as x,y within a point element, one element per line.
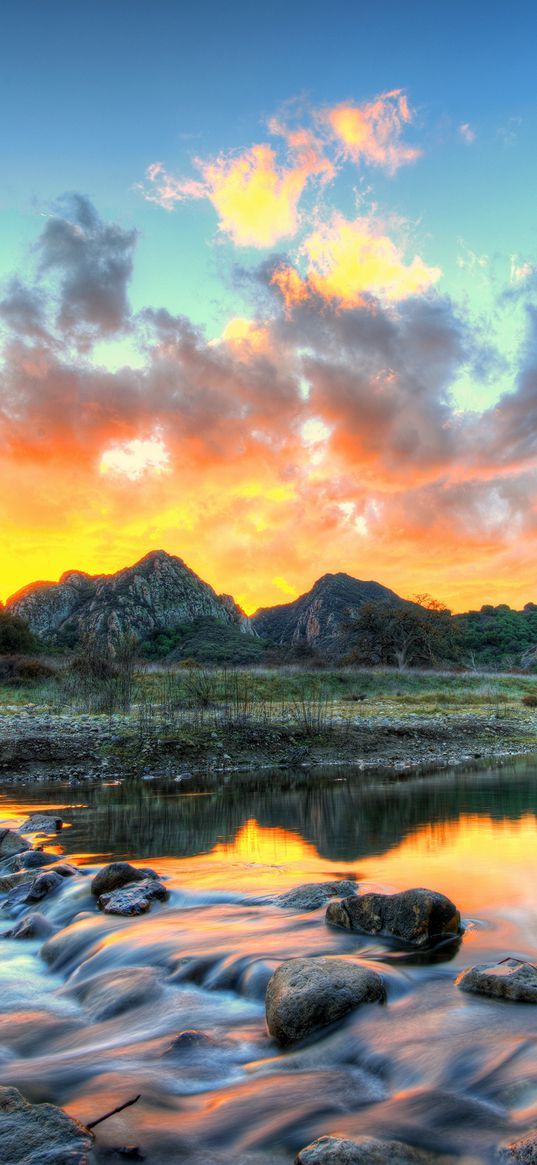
<point>40,1134</point>
<point>31,926</point>
<point>509,979</point>
<point>134,899</point>
<point>11,842</point>
<point>311,895</point>
<point>417,916</point>
<point>361,1151</point>
<point>44,883</point>
<point>41,823</point>
<point>524,1150</point>
<point>118,874</point>
<point>306,994</point>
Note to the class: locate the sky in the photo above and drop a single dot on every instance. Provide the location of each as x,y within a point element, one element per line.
<point>268,294</point>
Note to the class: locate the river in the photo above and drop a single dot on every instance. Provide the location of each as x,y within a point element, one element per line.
<point>99,1022</point>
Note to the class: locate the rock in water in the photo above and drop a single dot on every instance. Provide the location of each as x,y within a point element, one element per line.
<point>31,926</point>
<point>510,979</point>
<point>361,1151</point>
<point>311,895</point>
<point>417,916</point>
<point>40,1134</point>
<point>523,1150</point>
<point>11,843</point>
<point>305,994</point>
<point>41,823</point>
<point>118,874</point>
<point>133,899</point>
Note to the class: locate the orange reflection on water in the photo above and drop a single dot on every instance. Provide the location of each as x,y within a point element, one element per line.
<point>464,859</point>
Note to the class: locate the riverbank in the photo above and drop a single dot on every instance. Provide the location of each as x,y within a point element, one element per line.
<point>38,745</point>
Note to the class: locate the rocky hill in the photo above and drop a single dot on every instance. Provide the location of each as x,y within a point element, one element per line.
<point>156,594</point>
<point>318,619</point>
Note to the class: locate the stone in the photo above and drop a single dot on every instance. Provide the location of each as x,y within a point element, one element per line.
<point>31,926</point>
<point>34,890</point>
<point>361,1151</point>
<point>509,979</point>
<point>417,916</point>
<point>11,842</point>
<point>34,858</point>
<point>118,874</point>
<point>311,895</point>
<point>113,992</point>
<point>306,994</point>
<point>41,823</point>
<point>523,1150</point>
<point>133,899</point>
<point>40,1134</point>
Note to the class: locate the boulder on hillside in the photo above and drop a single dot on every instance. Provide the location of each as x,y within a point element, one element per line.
<point>362,1151</point>
<point>417,916</point>
<point>137,898</point>
<point>305,994</point>
<point>118,874</point>
<point>40,1134</point>
<point>508,979</point>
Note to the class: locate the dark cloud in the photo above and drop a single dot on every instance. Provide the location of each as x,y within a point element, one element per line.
<point>93,261</point>
<point>23,311</point>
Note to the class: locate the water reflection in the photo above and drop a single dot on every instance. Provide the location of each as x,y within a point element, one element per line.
<point>99,1019</point>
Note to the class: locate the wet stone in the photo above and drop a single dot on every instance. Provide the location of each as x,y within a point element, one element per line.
<point>118,874</point>
<point>306,994</point>
<point>416,916</point>
<point>311,895</point>
<point>11,842</point>
<point>40,1134</point>
<point>523,1150</point>
<point>509,979</point>
<point>114,992</point>
<point>31,926</point>
<point>361,1151</point>
<point>133,899</point>
<point>41,823</point>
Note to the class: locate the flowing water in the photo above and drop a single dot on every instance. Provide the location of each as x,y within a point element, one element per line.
<point>98,1023</point>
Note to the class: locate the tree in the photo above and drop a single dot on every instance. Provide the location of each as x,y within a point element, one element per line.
<point>407,634</point>
<point>16,637</point>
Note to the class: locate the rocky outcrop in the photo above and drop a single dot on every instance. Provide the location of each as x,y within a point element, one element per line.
<point>134,899</point>
<point>306,994</point>
<point>156,594</point>
<point>522,1151</point>
<point>361,1151</point>
<point>509,979</point>
<point>417,916</point>
<point>319,618</point>
<point>118,874</point>
<point>40,1134</point>
<point>41,823</point>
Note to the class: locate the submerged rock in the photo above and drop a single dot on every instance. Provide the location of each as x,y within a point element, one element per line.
<point>523,1150</point>
<point>35,889</point>
<point>11,842</point>
<point>306,994</point>
<point>417,916</point>
<point>41,823</point>
<point>118,874</point>
<point>134,899</point>
<point>31,926</point>
<point>509,979</point>
<point>40,1134</point>
<point>114,992</point>
<point>361,1151</point>
<point>311,895</point>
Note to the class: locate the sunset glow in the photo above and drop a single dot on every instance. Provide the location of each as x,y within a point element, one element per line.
<point>286,335</point>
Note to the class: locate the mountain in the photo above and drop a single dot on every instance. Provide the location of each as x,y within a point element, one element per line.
<point>318,619</point>
<point>155,595</point>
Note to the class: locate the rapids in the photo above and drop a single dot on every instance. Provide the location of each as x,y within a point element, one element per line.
<point>92,1016</point>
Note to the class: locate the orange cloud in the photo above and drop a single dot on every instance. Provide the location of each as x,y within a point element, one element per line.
<point>372,132</point>
<point>347,261</point>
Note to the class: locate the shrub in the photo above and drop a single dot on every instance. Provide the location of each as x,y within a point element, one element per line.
<point>19,669</point>
<point>16,637</point>
<point>530,701</point>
